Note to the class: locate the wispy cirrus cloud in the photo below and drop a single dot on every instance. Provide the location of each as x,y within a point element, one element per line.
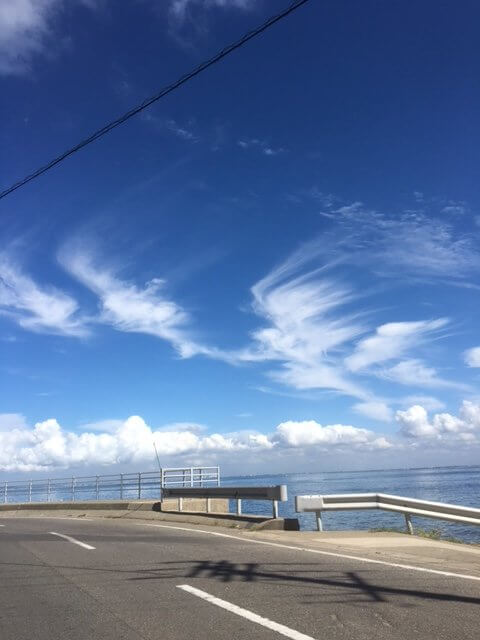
<point>390,341</point>
<point>260,145</point>
<point>35,307</point>
<point>415,373</point>
<point>131,308</point>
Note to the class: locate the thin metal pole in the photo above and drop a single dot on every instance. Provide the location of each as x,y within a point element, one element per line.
<point>121,486</point>
<point>30,491</point>
<point>319,521</point>
<point>191,476</point>
<point>239,507</point>
<point>408,523</point>
<point>6,492</point>
<point>218,476</point>
<point>48,490</point>
<point>97,488</point>
<point>139,486</point>
<point>275,508</point>
<point>209,505</point>
<point>73,489</point>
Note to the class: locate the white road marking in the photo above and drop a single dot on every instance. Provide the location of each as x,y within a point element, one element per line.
<point>438,572</point>
<point>245,613</point>
<point>70,539</point>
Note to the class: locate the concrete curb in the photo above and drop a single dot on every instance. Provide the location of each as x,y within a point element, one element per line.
<point>146,510</point>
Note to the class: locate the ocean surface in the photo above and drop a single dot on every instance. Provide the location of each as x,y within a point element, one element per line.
<point>456,485</point>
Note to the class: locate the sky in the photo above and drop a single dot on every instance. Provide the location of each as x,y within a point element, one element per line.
<point>274,269</point>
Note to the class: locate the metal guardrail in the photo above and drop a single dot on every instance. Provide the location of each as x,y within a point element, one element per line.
<point>275,494</point>
<point>132,486</point>
<point>408,506</point>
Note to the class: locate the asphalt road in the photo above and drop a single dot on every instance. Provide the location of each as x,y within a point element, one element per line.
<point>151,582</point>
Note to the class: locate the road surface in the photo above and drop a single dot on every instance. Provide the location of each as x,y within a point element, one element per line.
<point>78,579</point>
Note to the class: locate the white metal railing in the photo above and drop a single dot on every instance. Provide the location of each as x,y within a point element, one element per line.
<point>274,494</point>
<point>123,486</point>
<point>407,506</point>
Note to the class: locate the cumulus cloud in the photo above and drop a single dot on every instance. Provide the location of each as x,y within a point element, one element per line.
<point>311,433</point>
<point>38,308</point>
<point>49,446</point>
<point>415,424</point>
<point>391,341</point>
<point>472,357</point>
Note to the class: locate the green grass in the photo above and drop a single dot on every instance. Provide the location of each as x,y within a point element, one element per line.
<point>432,534</point>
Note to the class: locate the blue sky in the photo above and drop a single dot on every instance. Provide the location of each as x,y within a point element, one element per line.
<point>274,268</point>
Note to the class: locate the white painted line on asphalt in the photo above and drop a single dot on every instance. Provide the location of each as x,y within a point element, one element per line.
<point>245,613</point>
<point>70,539</point>
<point>396,565</point>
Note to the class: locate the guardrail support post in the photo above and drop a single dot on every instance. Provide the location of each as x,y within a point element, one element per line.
<point>121,486</point>
<point>180,504</point>
<point>209,505</point>
<point>191,476</point>
<point>318,515</point>
<point>48,490</point>
<point>139,486</point>
<point>97,488</point>
<point>408,522</point>
<point>30,491</point>
<point>239,507</point>
<point>275,508</point>
<point>5,499</point>
<point>73,489</point>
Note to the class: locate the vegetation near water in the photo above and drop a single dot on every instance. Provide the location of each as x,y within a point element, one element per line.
<point>433,534</point>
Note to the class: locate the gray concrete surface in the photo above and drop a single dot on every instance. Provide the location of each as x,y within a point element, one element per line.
<point>126,588</point>
<point>194,512</point>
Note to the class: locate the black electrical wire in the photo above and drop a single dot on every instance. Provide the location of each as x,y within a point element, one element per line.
<point>162,93</point>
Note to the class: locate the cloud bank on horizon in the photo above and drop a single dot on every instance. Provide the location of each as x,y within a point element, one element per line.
<point>47,446</point>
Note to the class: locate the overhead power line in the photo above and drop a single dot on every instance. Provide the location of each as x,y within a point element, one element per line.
<point>161,94</point>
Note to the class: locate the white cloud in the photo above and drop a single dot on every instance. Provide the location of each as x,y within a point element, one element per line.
<point>472,357</point>
<point>179,9</point>
<point>37,308</point>
<point>430,403</point>
<point>415,373</point>
<point>306,322</point>
<point>374,409</point>
<point>49,446</point>
<point>391,341</point>
<point>133,309</point>
<point>10,421</point>
<point>415,424</point>
<point>260,145</point>
<point>27,30</point>
<point>311,433</point>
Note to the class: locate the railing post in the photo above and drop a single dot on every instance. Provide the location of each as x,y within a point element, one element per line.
<point>30,491</point>
<point>408,523</point>
<point>275,508</point>
<point>5,498</point>
<point>97,488</point>
<point>209,505</point>
<point>73,489</point>
<point>239,507</point>
<point>318,515</point>
<point>48,490</point>
<point>191,476</point>
<point>139,486</point>
<point>121,486</point>
<point>180,504</point>
<point>218,476</point>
